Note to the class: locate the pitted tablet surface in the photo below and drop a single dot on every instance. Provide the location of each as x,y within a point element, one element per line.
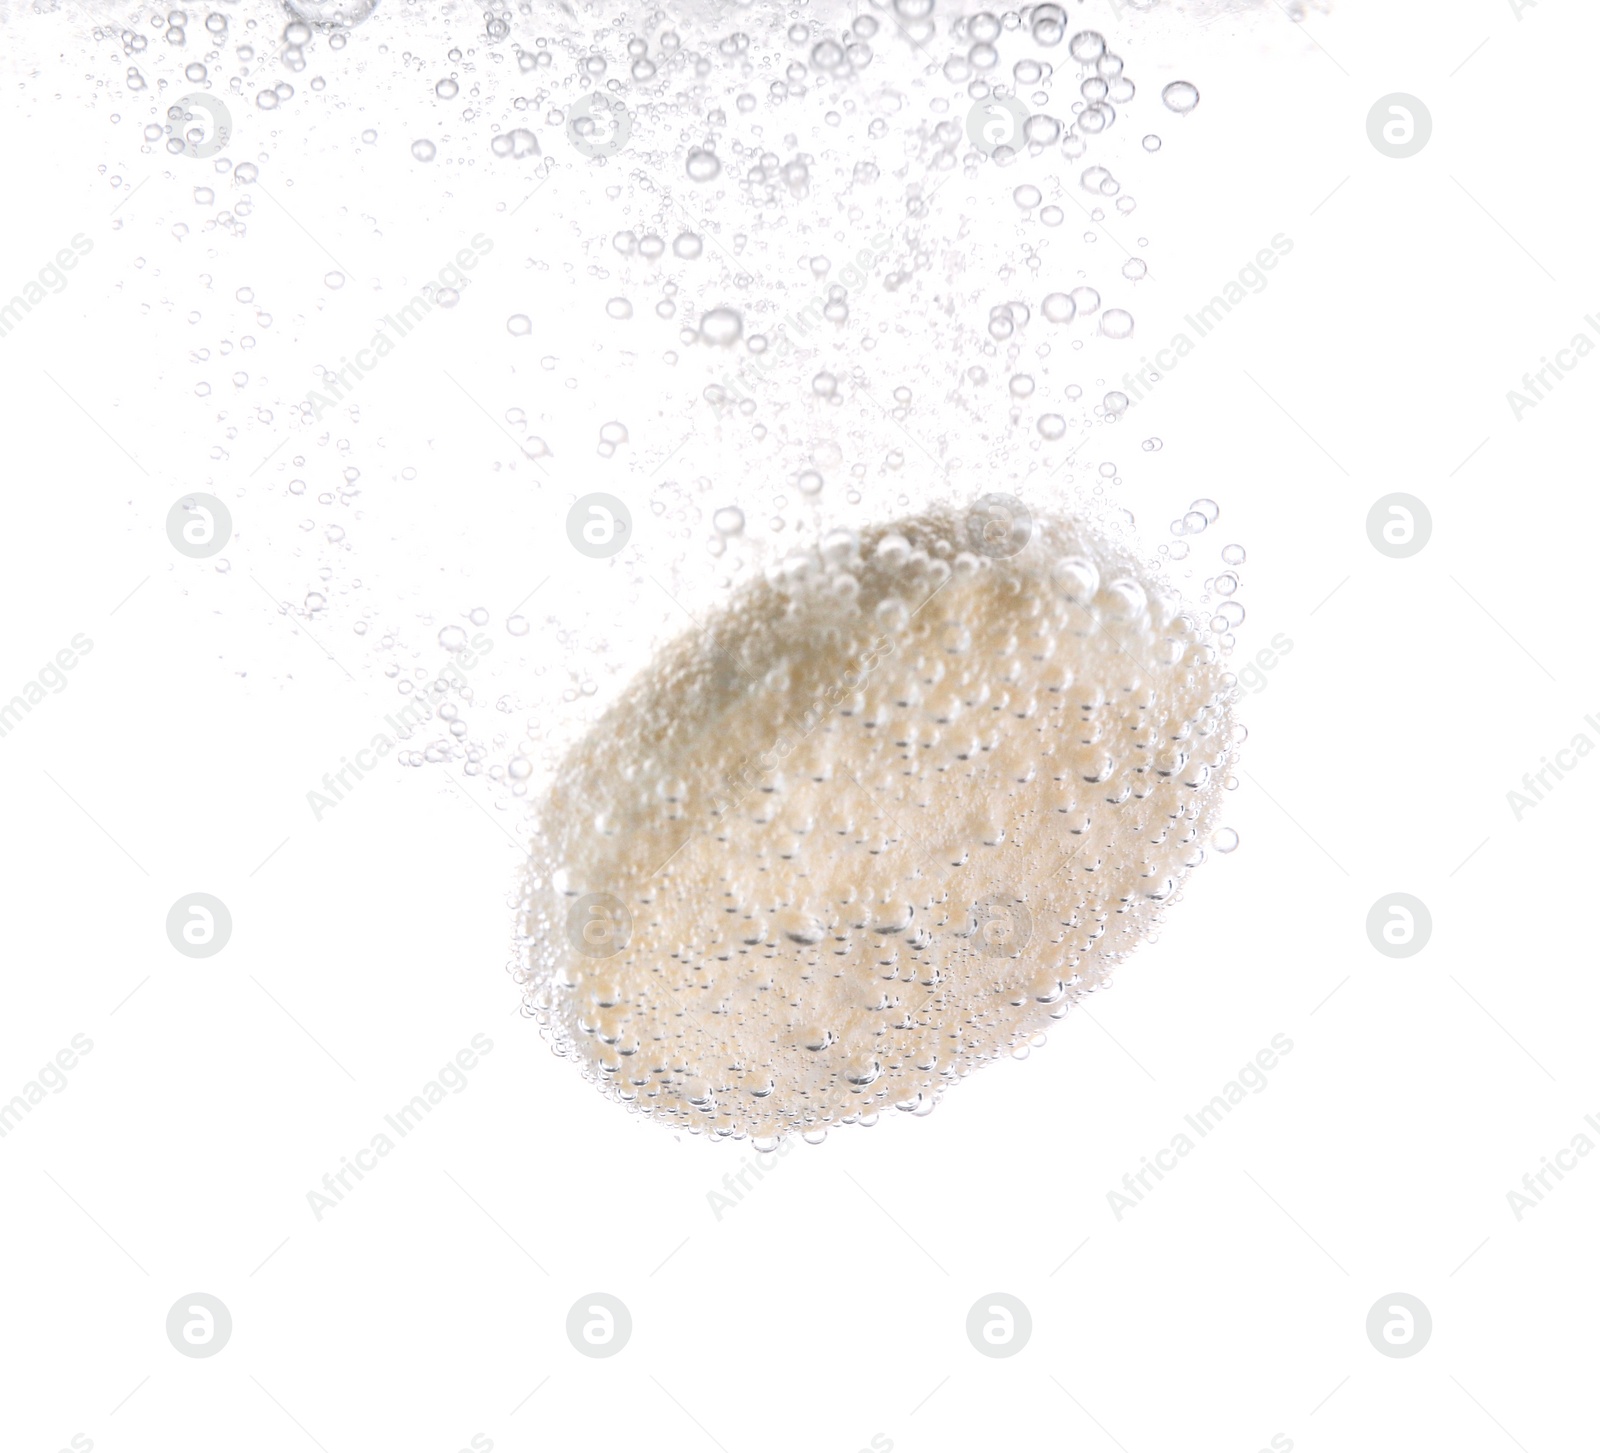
<point>880,823</point>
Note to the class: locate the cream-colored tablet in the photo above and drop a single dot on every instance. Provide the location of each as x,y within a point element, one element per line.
<point>881,822</point>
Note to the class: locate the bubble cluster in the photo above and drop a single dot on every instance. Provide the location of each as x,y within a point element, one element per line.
<point>857,238</point>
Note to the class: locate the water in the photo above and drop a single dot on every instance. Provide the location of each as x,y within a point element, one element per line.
<point>686,287</point>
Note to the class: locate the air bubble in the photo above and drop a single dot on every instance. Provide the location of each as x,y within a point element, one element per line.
<point>702,166</point>
<point>721,327</point>
<point>1180,96</point>
<point>1087,46</point>
<point>1059,307</point>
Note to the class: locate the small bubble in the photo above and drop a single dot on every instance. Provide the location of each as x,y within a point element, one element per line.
<point>334,280</point>
<point>1027,197</point>
<point>446,89</point>
<point>827,55</point>
<point>519,325</point>
<point>423,149</point>
<point>1042,130</point>
<point>1087,46</point>
<point>619,308</point>
<point>1152,142</point>
<point>702,166</point>
<point>1180,96</point>
<point>447,297</point>
<point>722,327</point>
<point>1059,307</point>
<point>1225,840</point>
<point>686,244</point>
<point>1116,323</point>
<point>729,520</point>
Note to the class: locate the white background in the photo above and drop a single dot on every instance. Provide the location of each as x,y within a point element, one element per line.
<point>829,1306</point>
